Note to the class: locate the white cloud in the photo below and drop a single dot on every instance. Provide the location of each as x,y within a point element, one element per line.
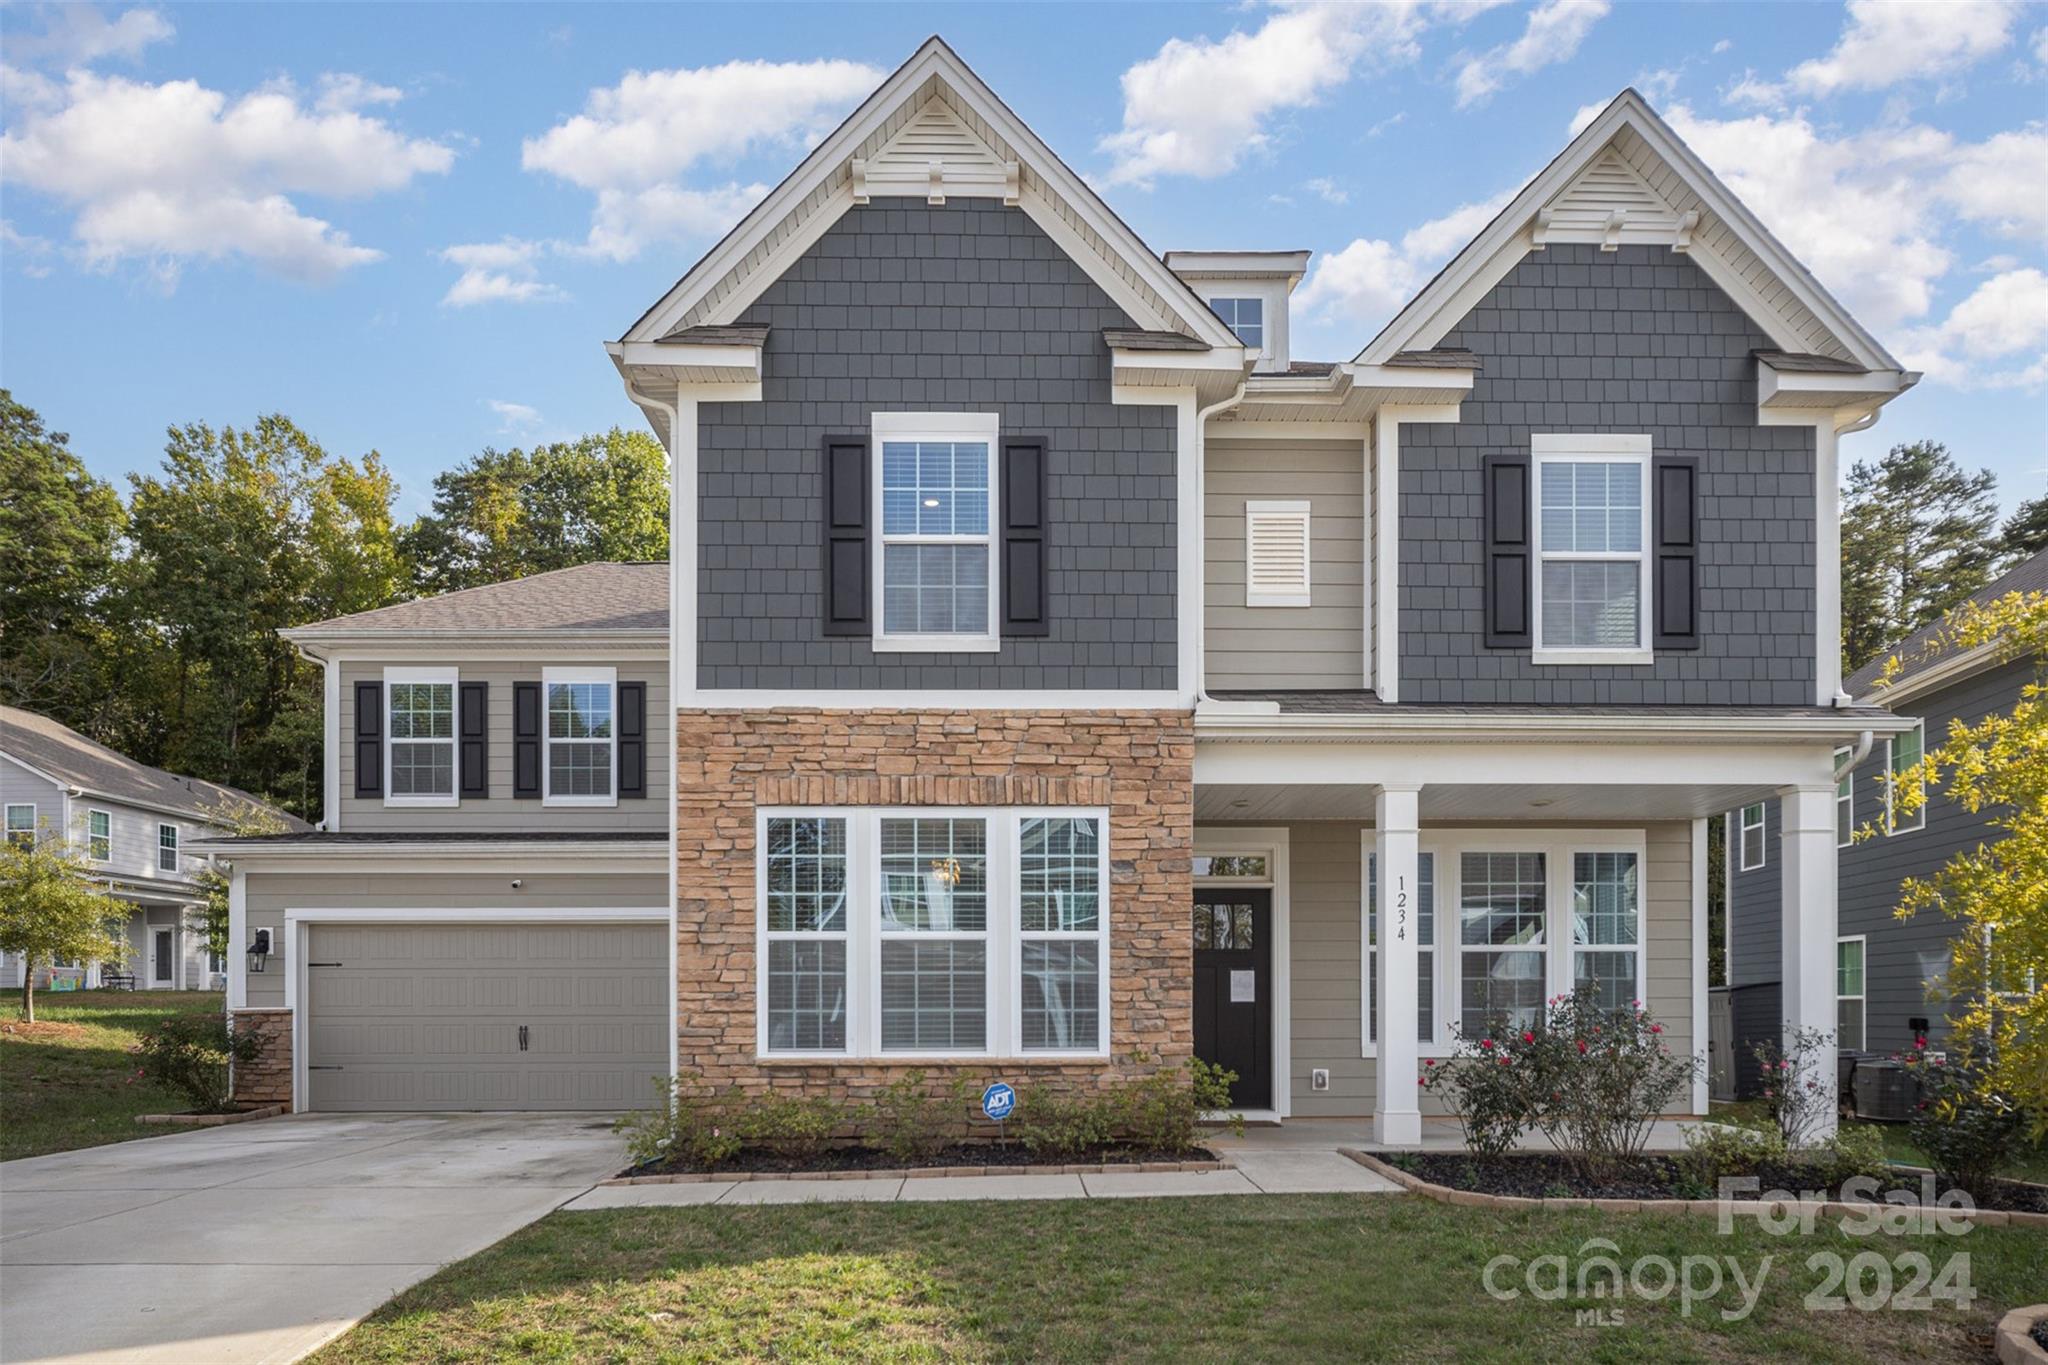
<point>1391,121</point>
<point>1327,190</point>
<point>81,34</point>
<point>504,271</point>
<point>28,254</point>
<point>1995,338</point>
<point>1722,46</point>
<point>342,92</point>
<point>1365,283</point>
<point>513,418</point>
<point>1886,42</point>
<point>1199,106</point>
<point>634,141</point>
<point>1998,182</point>
<point>173,172</point>
<point>1554,32</point>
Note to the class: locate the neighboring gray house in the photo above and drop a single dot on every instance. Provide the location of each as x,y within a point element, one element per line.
<point>1055,668</point>
<point>1888,972</point>
<point>137,827</point>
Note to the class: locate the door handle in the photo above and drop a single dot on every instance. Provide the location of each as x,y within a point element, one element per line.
<point>522,1037</point>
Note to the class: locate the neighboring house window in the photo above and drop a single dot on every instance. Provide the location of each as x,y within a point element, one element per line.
<point>21,825</point>
<point>1246,317</point>
<point>1607,914</point>
<point>1276,554</point>
<point>420,755</point>
<point>934,932</point>
<point>1592,520</point>
<point>936,508</point>
<point>216,963</point>
<point>1903,754</point>
<point>167,848</point>
<point>1503,953</point>
<point>1845,800</point>
<point>1849,997</point>
<point>99,836</point>
<point>581,737</point>
<point>1425,946</point>
<point>1753,837</point>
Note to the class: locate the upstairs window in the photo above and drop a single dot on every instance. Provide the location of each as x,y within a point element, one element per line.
<point>420,757</point>
<point>1246,317</point>
<point>1903,753</point>
<point>936,497</point>
<point>167,848</point>
<point>1752,837</point>
<point>581,737</point>
<point>1592,521</point>
<point>21,825</point>
<point>99,836</point>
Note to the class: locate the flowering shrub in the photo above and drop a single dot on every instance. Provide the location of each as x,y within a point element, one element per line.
<point>1969,1129</point>
<point>1487,1085</point>
<point>192,1052</point>
<point>1796,1093</point>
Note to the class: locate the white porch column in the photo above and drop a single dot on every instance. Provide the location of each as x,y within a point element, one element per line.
<point>1807,925</point>
<point>1397,1111</point>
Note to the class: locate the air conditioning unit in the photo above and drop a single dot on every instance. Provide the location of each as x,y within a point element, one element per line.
<point>1885,1091</point>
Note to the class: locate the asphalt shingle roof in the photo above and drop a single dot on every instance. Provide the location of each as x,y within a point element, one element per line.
<point>2029,575</point>
<point>602,596</point>
<point>60,752</point>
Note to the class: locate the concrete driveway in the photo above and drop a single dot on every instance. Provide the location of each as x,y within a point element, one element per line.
<point>260,1241</point>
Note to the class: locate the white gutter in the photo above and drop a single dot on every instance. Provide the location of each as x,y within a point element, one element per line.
<point>1201,535</point>
<point>315,847</point>
<point>1392,725</point>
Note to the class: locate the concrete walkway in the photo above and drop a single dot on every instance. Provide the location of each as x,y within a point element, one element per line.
<point>260,1241</point>
<point>1298,1171</point>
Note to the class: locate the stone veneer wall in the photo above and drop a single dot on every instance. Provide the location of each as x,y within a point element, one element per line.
<point>1138,764</point>
<point>268,1079</point>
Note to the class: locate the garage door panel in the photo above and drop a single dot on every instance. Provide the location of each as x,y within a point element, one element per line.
<point>422,1017</point>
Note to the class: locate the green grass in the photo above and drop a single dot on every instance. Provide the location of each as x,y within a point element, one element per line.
<point>65,1088</point>
<point>2032,1164</point>
<point>1284,1278</point>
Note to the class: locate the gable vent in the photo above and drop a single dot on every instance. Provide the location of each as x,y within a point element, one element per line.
<point>1276,558</point>
<point>1610,204</point>
<point>932,156</point>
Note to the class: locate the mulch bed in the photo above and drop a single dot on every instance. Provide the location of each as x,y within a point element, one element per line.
<point>768,1161</point>
<point>1540,1176</point>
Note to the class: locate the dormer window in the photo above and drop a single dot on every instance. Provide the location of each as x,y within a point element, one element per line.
<point>1244,316</point>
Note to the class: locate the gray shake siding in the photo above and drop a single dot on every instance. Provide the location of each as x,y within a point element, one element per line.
<point>964,307</point>
<point>1580,341</point>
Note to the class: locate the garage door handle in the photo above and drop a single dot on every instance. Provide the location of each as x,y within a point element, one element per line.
<point>326,964</point>
<point>322,1068</point>
<point>522,1037</point>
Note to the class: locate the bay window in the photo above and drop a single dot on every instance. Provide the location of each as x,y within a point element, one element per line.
<point>419,760</point>
<point>581,737</point>
<point>935,502</point>
<point>1593,576</point>
<point>934,933</point>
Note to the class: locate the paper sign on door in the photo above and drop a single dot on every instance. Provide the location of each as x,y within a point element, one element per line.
<point>1243,987</point>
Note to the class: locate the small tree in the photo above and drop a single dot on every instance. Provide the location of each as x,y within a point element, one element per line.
<point>1998,890</point>
<point>50,911</point>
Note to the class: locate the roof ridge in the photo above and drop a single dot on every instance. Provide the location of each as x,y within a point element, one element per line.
<point>474,587</point>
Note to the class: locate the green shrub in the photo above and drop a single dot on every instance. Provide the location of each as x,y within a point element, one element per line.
<point>1970,1130</point>
<point>1601,1077</point>
<point>1054,1123</point>
<point>914,1124</point>
<point>800,1129</point>
<point>1796,1093</point>
<point>1716,1150</point>
<point>1487,1090</point>
<point>192,1052</point>
<point>1851,1152</point>
<point>1163,1110</point>
<point>689,1123</point>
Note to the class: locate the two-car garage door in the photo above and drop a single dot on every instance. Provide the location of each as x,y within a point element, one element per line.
<point>485,1016</point>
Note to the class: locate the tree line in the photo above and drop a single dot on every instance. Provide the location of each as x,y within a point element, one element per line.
<point>148,618</point>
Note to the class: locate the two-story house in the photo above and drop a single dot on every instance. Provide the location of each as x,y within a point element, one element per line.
<point>137,828</point>
<point>1065,678</point>
<point>1889,973</point>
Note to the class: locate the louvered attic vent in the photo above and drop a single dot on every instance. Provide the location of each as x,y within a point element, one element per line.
<point>1276,554</point>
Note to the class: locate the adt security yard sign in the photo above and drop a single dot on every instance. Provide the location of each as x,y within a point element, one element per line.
<point>997,1101</point>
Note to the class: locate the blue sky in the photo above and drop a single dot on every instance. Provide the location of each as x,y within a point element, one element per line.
<point>411,229</point>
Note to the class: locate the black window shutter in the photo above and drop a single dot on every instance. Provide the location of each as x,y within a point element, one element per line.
<point>526,739</point>
<point>1025,607</point>
<point>1675,575</point>
<point>1508,551</point>
<point>846,535</point>
<point>369,739</point>
<point>632,739</point>
<point>474,738</point>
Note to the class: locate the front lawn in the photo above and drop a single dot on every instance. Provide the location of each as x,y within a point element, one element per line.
<point>64,1081</point>
<point>1291,1278</point>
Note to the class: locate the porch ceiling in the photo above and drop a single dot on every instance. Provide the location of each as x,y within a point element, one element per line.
<point>1474,802</point>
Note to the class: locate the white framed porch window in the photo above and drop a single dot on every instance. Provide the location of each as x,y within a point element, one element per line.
<point>1902,755</point>
<point>1751,835</point>
<point>419,748</point>
<point>1607,921</point>
<point>1592,526</point>
<point>1849,992</point>
<point>934,932</point>
<point>936,510</point>
<point>580,738</point>
<point>1845,801</point>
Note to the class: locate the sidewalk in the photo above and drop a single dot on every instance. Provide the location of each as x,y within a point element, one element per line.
<point>1259,1171</point>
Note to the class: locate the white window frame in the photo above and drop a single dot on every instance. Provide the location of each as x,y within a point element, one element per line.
<point>1763,843</point>
<point>1264,345</point>
<point>34,820</point>
<point>1862,1001</point>
<point>1257,510</point>
<point>1845,796</point>
<point>1891,824</point>
<point>936,426</point>
<point>1004,934</point>
<point>163,828</point>
<point>108,816</point>
<point>452,677</point>
<point>549,679</point>
<point>1546,448</point>
<point>1559,951</point>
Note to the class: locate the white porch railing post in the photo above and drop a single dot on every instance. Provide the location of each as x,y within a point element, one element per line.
<point>1807,928</point>
<point>1397,1110</point>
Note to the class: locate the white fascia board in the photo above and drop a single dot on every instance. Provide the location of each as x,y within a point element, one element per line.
<point>513,853</point>
<point>719,355</point>
<point>1561,764</point>
<point>1806,389</point>
<point>1939,675</point>
<point>1239,265</point>
<point>1440,385</point>
<point>460,645</point>
<point>1232,360</point>
<point>923,699</point>
<point>1244,726</point>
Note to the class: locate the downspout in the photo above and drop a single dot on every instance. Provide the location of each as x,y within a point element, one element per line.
<point>1856,756</point>
<point>1201,584</point>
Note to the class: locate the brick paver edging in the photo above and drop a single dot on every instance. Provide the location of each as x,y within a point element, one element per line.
<point>270,1111</point>
<point>1443,1194</point>
<point>2016,1345</point>
<point>925,1172</point>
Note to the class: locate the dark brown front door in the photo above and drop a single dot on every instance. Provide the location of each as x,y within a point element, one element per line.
<point>1233,989</point>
